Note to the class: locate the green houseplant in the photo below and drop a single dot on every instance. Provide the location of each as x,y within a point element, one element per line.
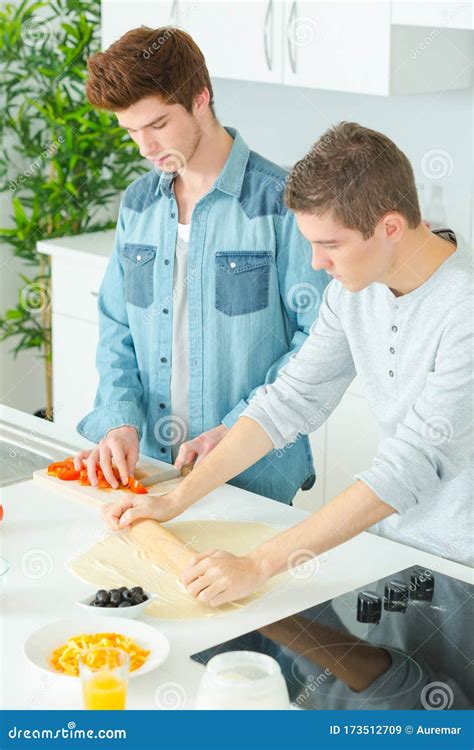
<point>61,162</point>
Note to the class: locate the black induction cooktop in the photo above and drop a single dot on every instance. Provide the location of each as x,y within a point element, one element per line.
<point>402,642</point>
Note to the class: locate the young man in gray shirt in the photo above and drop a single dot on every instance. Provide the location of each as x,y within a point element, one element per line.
<point>399,314</point>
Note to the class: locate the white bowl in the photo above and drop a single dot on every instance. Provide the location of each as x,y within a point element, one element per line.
<point>40,644</point>
<point>129,613</point>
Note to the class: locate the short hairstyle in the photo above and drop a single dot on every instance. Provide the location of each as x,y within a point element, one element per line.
<point>148,62</point>
<point>356,173</point>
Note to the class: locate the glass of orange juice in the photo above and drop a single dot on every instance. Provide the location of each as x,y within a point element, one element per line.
<point>104,676</point>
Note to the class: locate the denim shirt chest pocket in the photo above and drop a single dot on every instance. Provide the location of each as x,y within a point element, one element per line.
<point>242,281</point>
<point>138,270</point>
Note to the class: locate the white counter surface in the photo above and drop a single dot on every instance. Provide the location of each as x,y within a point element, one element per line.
<point>41,523</point>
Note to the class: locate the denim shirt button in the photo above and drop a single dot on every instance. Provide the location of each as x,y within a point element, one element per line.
<point>139,257</point>
<point>233,265</point>
<point>162,406</point>
<point>163,359</point>
<point>173,215</point>
<point>162,450</point>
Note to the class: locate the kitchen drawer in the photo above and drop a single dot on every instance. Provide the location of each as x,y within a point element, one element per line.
<point>75,287</point>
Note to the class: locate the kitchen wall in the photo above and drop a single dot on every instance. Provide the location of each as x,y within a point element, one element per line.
<point>434,130</point>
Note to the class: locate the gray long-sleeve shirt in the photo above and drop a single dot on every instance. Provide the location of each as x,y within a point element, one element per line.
<point>414,357</point>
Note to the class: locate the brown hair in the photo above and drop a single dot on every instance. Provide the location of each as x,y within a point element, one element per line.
<point>148,62</point>
<point>356,173</point>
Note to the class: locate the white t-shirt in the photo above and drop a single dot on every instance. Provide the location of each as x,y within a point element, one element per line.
<point>180,344</point>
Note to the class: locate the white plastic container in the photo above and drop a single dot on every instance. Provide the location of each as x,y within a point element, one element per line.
<point>242,680</point>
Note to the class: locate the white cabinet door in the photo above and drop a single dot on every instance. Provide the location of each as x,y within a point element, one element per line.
<point>75,378</point>
<point>240,40</point>
<point>119,16</point>
<point>446,15</point>
<point>351,443</point>
<point>341,46</point>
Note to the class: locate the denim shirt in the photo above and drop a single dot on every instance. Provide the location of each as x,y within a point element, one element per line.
<point>252,297</point>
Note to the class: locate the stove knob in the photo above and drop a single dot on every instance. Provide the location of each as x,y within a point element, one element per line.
<point>369,607</point>
<point>396,596</point>
<point>421,584</point>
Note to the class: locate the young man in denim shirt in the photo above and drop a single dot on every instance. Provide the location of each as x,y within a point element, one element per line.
<point>209,290</point>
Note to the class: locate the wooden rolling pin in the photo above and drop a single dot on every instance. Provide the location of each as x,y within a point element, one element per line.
<point>160,546</point>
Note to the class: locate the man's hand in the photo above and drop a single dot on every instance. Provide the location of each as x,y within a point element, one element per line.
<point>122,513</point>
<point>200,447</point>
<point>120,445</point>
<point>217,577</point>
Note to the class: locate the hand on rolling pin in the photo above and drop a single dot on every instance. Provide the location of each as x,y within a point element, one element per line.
<point>122,513</point>
<point>200,446</point>
<point>217,577</point>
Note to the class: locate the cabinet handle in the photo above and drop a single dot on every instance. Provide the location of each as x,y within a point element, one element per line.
<point>268,46</point>
<point>291,48</point>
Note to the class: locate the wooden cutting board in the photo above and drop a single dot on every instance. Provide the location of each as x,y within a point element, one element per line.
<point>95,497</point>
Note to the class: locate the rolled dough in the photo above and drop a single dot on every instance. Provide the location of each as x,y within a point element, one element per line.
<point>116,561</point>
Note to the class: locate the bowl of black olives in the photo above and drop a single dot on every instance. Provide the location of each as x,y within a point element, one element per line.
<point>121,602</point>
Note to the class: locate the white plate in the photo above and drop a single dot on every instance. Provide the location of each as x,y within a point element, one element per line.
<point>40,644</point>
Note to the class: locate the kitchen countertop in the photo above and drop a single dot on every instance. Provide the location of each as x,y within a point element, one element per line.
<point>42,530</point>
<point>95,247</point>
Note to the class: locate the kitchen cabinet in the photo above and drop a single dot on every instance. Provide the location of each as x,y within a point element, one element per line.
<point>337,46</point>
<point>77,267</point>
<point>240,40</point>
<point>446,15</point>
<point>358,47</point>
<point>75,378</point>
<point>119,16</point>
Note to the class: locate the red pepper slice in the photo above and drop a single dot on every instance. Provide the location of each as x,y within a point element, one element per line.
<point>136,487</point>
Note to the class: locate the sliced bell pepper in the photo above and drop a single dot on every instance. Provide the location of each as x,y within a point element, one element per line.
<point>65,470</point>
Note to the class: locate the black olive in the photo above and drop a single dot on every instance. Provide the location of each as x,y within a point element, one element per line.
<point>137,590</point>
<point>125,604</point>
<point>122,589</point>
<point>127,596</point>
<point>114,606</point>
<point>116,598</point>
<point>102,596</point>
<point>98,604</point>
